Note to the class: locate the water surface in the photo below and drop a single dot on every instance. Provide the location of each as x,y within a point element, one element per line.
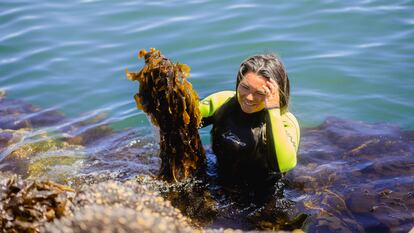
<point>352,60</point>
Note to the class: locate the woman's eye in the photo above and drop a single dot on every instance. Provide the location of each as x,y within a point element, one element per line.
<point>245,87</point>
<point>259,93</point>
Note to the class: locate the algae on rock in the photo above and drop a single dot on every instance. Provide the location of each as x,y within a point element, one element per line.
<point>26,205</point>
<point>172,104</point>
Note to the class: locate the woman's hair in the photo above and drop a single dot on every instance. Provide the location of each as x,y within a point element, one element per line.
<point>268,66</point>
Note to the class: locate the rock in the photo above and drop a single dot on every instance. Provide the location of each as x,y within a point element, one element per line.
<point>100,218</point>
<point>17,114</point>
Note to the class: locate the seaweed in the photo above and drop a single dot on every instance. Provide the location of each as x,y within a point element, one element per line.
<point>172,104</point>
<point>25,206</point>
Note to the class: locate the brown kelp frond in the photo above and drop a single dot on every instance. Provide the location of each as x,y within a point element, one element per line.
<point>26,205</point>
<point>172,104</point>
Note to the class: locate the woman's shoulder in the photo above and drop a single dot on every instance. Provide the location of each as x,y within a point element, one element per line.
<point>221,95</point>
<point>290,120</point>
<point>211,103</point>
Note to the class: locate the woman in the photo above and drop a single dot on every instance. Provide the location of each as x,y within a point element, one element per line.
<point>254,136</point>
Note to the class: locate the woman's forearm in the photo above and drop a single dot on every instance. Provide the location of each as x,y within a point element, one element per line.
<point>283,137</point>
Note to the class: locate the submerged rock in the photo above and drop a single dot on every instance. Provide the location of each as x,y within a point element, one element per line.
<point>88,132</point>
<point>9,137</point>
<point>39,155</point>
<point>3,93</point>
<point>53,164</point>
<point>17,114</point>
<point>353,176</point>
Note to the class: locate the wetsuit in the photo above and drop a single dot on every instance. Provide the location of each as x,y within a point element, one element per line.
<point>250,148</point>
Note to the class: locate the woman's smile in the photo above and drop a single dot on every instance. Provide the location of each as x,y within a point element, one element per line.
<point>248,103</point>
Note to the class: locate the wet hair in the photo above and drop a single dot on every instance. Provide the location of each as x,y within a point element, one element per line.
<point>271,67</point>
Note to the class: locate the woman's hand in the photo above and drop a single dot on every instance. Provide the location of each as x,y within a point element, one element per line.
<point>272,99</point>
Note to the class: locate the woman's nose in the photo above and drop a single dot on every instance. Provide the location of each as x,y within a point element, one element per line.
<point>250,97</point>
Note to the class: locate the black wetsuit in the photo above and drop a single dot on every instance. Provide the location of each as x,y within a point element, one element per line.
<point>239,141</point>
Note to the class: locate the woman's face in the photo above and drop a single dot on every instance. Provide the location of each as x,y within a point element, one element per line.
<point>251,94</point>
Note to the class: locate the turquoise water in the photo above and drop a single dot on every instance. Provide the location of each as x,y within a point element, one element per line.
<point>350,59</point>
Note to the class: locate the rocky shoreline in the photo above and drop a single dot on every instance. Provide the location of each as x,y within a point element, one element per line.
<point>351,177</point>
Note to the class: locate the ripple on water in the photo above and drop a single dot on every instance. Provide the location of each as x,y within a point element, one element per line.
<point>241,6</point>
